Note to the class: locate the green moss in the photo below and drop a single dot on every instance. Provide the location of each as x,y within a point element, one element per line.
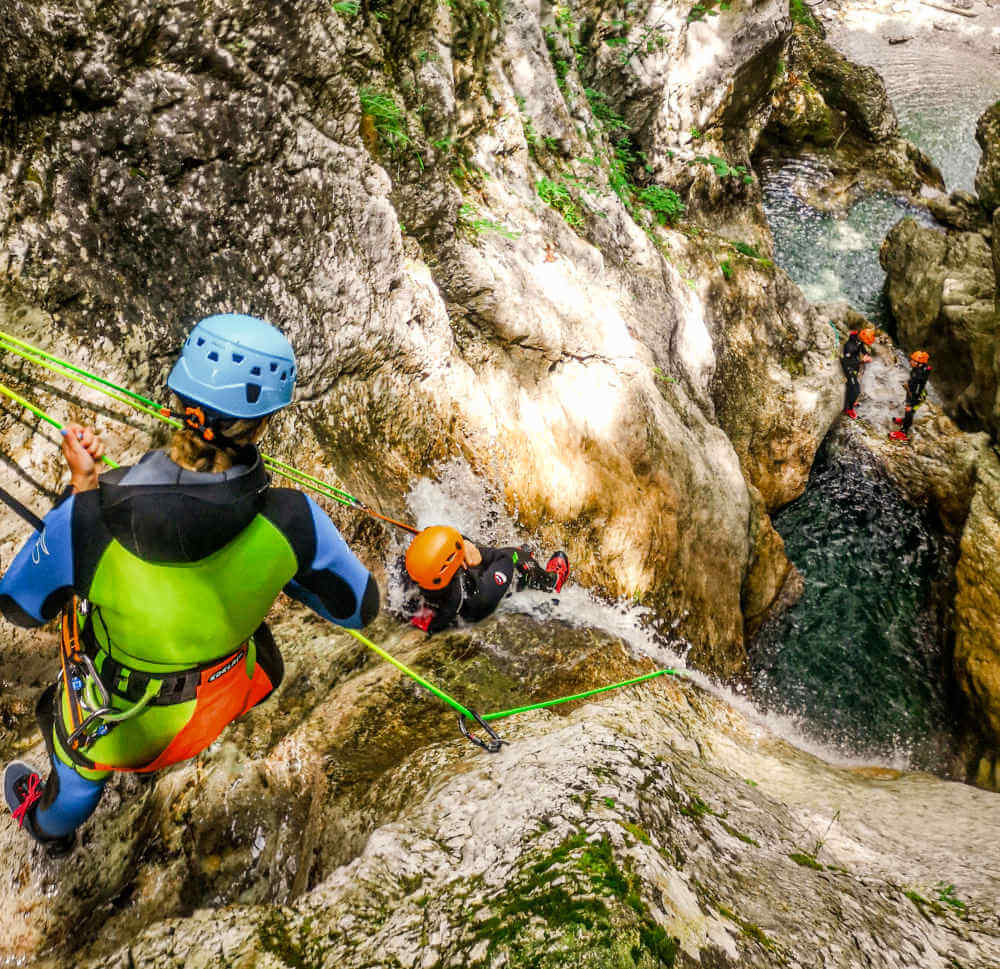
<point>794,366</point>
<point>638,833</point>
<point>750,930</point>
<point>592,908</point>
<point>800,14</point>
<point>696,808</point>
<point>297,950</point>
<point>737,834</point>
<point>806,861</point>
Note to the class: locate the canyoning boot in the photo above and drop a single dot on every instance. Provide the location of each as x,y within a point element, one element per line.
<point>851,413</point>
<point>559,565</point>
<point>23,787</point>
<point>898,435</point>
<point>897,420</point>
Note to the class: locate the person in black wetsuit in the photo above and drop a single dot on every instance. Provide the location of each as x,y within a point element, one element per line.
<point>457,579</point>
<point>916,393</point>
<point>855,354</point>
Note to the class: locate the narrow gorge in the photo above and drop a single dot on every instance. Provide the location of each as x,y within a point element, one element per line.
<point>576,275</point>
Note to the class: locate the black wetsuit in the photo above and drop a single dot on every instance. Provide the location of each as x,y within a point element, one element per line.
<point>850,361</point>
<point>476,591</point>
<point>916,392</point>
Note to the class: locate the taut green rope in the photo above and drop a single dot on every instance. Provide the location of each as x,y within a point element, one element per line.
<point>38,412</point>
<point>52,363</point>
<point>579,696</point>
<point>440,694</point>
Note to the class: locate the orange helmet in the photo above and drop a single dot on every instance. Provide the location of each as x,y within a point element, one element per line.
<point>919,356</point>
<point>434,556</point>
<point>867,336</point>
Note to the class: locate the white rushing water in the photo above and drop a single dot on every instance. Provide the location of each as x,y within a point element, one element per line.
<point>455,496</point>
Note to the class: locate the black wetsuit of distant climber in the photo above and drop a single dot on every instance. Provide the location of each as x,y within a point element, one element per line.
<point>441,561</point>
<point>916,392</point>
<point>855,353</point>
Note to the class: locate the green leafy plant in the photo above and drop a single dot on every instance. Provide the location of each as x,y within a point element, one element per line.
<point>664,203</point>
<point>662,377</point>
<point>609,119</point>
<point>723,169</point>
<point>472,221</point>
<point>706,8</point>
<point>727,269</point>
<point>387,117</point>
<point>946,896</point>
<point>745,249</point>
<point>695,134</point>
<point>557,195</point>
<point>347,8</point>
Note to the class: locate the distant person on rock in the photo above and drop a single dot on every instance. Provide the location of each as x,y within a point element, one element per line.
<point>457,579</point>
<point>854,356</point>
<point>177,561</point>
<point>916,393</point>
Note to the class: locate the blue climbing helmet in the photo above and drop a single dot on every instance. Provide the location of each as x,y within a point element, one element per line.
<point>235,366</point>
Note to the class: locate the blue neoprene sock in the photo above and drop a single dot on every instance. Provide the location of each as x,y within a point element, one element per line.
<point>76,801</point>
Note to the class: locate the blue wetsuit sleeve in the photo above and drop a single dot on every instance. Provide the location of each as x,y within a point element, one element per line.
<point>40,579</point>
<point>335,584</point>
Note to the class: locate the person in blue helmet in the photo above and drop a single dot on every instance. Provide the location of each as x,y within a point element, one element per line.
<point>163,573</point>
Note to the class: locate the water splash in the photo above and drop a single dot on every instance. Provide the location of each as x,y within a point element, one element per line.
<point>456,496</point>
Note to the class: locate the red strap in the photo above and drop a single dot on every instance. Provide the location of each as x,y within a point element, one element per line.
<point>33,794</point>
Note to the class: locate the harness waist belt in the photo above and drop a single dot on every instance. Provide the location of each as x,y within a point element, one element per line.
<point>130,684</point>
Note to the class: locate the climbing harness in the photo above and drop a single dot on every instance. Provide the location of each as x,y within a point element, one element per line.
<point>87,691</point>
<point>70,371</point>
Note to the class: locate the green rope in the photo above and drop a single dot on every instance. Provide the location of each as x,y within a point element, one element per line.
<point>38,352</point>
<point>51,362</point>
<point>38,412</point>
<point>440,694</point>
<point>578,696</point>
<point>144,404</point>
<point>89,382</point>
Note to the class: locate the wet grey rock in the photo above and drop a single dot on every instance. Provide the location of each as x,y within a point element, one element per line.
<point>988,172</point>
<point>852,88</point>
<point>623,835</point>
<point>942,291</point>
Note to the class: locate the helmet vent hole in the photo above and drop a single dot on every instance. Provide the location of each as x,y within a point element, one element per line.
<point>213,356</point>
<point>274,367</point>
<point>201,341</point>
<point>253,393</point>
<point>237,358</point>
<point>283,375</point>
<point>255,371</point>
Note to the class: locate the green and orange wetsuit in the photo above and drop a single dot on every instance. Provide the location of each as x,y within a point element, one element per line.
<point>178,570</point>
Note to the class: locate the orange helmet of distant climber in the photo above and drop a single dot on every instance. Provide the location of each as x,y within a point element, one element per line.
<point>919,356</point>
<point>434,556</point>
<point>867,336</point>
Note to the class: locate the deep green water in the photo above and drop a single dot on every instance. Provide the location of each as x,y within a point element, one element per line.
<point>860,662</point>
<point>858,659</point>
